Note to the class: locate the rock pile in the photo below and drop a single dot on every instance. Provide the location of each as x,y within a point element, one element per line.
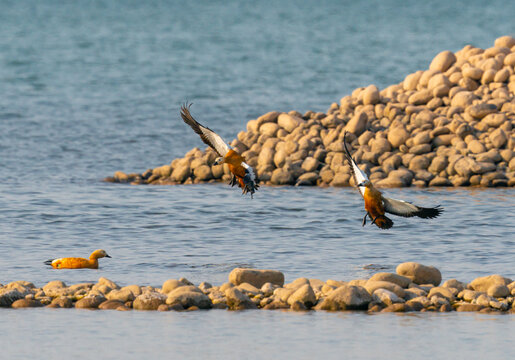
<point>414,287</point>
<point>450,125</point>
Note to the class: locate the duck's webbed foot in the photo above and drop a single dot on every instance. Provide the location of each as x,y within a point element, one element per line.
<point>365,219</point>
<point>233,181</point>
<point>374,220</point>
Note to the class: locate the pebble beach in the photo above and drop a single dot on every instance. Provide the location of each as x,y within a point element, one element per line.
<point>452,124</point>
<point>413,288</point>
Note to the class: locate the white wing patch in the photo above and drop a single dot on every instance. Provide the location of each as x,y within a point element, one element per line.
<point>249,170</point>
<point>357,173</point>
<point>208,136</point>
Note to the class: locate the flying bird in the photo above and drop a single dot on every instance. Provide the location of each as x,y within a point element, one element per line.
<point>242,173</point>
<point>78,263</point>
<point>377,205</point>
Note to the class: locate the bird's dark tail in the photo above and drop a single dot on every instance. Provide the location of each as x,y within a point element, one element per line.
<point>383,222</point>
<point>49,262</point>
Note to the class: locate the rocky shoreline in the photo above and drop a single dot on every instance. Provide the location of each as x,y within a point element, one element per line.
<point>450,125</point>
<point>414,287</point>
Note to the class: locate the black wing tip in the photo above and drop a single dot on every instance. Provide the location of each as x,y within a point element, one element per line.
<point>430,213</point>
<point>49,262</point>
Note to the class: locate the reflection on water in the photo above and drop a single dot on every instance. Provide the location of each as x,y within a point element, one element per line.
<point>219,334</point>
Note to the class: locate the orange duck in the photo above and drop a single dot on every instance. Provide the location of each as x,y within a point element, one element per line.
<point>78,263</point>
<point>243,174</point>
<point>377,205</point>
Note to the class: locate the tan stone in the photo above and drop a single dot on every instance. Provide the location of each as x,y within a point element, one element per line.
<point>498,138</point>
<point>485,282</point>
<point>90,302</point>
<point>289,122</point>
<point>282,177</point>
<point>371,95</point>
<point>373,285</point>
<point>303,294</point>
<point>397,136</point>
<point>346,297</point>
<point>421,97</point>
<point>420,274</point>
<point>237,300</point>
<point>443,61</point>
<point>357,123</point>
<point>256,277</point>
<point>269,129</point>
<point>148,301</point>
<point>402,281</point>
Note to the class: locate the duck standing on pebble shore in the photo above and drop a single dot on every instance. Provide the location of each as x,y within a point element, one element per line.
<point>78,263</point>
<point>243,174</point>
<point>376,204</point>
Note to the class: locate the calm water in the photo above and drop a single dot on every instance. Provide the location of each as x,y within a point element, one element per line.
<point>88,89</point>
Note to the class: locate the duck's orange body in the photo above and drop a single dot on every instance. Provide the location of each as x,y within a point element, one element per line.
<point>374,207</point>
<point>235,161</point>
<point>78,263</point>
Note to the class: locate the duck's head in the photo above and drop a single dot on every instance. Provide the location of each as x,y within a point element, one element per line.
<point>219,161</point>
<point>365,183</point>
<point>97,254</point>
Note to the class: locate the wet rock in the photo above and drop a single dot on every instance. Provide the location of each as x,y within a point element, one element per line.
<point>256,277</point>
<point>346,297</point>
<point>469,307</point>
<point>148,301</point>
<point>171,284</point>
<point>62,302</point>
<point>282,177</point>
<point>111,305</point>
<point>90,302</point>
<point>121,295</point>
<point>402,281</point>
<point>420,274</point>
<point>248,289</point>
<point>486,282</point>
<point>442,292</point>
<point>305,295</point>
<point>373,285</point>
<point>396,308</point>
<point>455,284</point>
<point>189,296</point>
<point>498,290</point>
<point>236,300</point>
<point>386,297</point>
<point>25,303</point>
<point>7,297</point>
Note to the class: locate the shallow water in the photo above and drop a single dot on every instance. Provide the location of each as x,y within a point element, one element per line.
<point>86,90</point>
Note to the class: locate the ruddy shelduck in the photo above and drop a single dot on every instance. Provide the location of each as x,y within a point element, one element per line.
<point>243,174</point>
<point>377,205</point>
<point>78,263</point>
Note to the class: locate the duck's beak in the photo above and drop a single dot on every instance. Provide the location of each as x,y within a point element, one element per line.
<point>107,256</point>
